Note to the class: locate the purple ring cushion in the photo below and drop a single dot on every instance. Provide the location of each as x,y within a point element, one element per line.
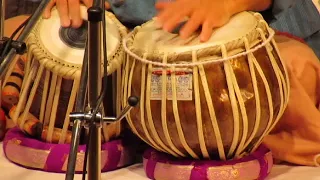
<point>34,154</point>
<point>257,165</point>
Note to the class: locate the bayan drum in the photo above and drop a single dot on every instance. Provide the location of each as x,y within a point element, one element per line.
<point>48,93</point>
<point>213,100</point>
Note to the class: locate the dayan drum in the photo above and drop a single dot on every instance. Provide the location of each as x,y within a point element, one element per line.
<point>48,93</point>
<point>213,100</point>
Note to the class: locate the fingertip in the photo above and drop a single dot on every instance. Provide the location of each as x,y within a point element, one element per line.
<point>65,22</point>
<point>206,32</point>
<point>76,23</point>
<point>159,17</point>
<point>205,35</point>
<point>158,22</point>
<point>166,29</point>
<point>47,12</point>
<point>204,38</point>
<point>107,5</point>
<point>183,34</point>
<point>185,31</point>
<point>160,5</point>
<point>45,15</point>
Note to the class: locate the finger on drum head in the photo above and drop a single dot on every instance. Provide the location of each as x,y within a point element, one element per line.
<point>74,13</point>
<point>192,25</point>
<point>47,10</point>
<point>62,6</point>
<point>206,31</point>
<point>173,23</point>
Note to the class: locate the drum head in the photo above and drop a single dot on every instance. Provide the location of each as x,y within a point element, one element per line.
<point>150,38</point>
<point>67,45</point>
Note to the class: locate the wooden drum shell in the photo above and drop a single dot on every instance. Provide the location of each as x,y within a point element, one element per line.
<point>234,103</point>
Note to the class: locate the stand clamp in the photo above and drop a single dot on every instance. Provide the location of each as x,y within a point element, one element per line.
<point>19,46</point>
<point>87,117</point>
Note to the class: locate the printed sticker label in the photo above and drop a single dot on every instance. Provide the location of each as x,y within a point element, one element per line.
<point>183,84</point>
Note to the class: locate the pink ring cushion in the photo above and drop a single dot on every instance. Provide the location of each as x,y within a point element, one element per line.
<point>158,165</point>
<point>35,154</point>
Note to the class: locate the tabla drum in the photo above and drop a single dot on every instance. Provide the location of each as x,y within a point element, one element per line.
<point>48,93</point>
<point>214,100</point>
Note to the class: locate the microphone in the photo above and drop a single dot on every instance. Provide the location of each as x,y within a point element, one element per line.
<point>25,32</point>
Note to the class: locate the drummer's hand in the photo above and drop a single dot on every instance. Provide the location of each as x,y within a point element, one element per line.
<point>208,13</point>
<point>69,16</point>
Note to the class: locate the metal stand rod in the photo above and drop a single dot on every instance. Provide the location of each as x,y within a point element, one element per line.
<point>26,31</point>
<point>91,72</point>
<point>77,123</point>
<point>2,17</point>
<point>94,75</point>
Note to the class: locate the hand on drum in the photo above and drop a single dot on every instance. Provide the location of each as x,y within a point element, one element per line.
<point>69,11</point>
<point>208,13</point>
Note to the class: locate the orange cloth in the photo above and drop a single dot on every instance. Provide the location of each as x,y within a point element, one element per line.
<point>296,138</point>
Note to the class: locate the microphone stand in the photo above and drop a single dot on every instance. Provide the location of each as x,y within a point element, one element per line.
<point>20,41</point>
<point>95,14</point>
<point>2,17</point>
<point>91,73</point>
